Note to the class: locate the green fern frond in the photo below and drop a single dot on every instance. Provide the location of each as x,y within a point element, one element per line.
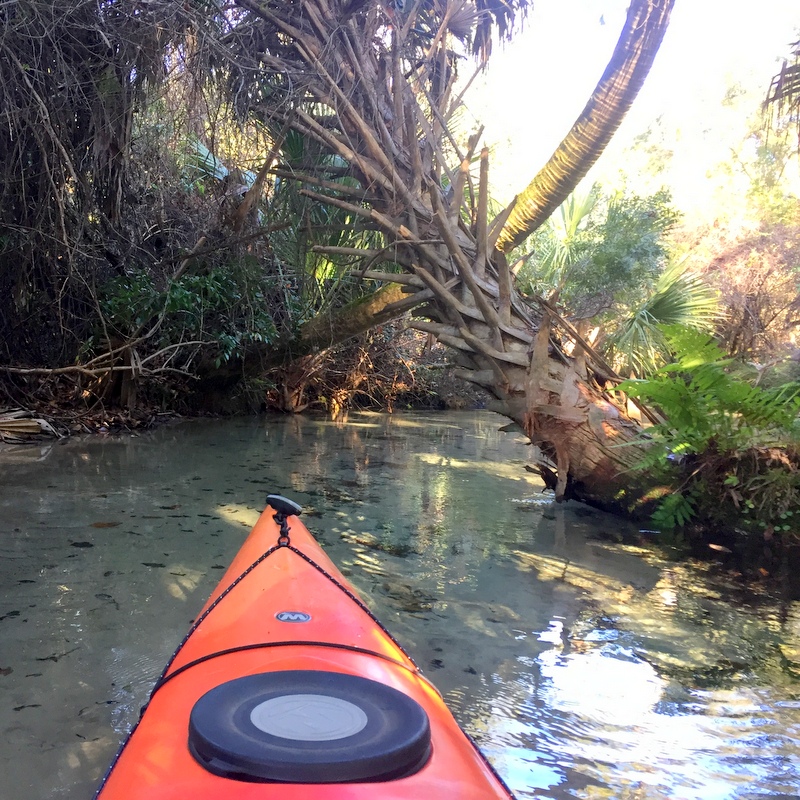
<point>674,511</point>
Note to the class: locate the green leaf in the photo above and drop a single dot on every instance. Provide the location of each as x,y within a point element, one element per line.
<point>674,511</point>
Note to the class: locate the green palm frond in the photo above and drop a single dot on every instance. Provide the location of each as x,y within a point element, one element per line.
<point>321,280</point>
<point>200,162</point>
<point>681,298</point>
<point>558,245</point>
<point>574,210</point>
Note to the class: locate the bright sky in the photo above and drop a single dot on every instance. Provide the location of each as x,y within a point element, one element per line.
<point>536,87</point>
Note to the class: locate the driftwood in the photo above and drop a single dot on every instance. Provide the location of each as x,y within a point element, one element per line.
<point>20,425</point>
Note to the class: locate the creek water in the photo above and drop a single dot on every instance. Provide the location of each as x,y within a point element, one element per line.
<point>585,666</point>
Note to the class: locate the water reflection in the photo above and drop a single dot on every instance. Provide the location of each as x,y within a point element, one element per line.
<point>586,667</point>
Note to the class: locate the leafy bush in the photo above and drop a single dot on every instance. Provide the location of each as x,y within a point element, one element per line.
<point>599,253</point>
<point>730,448</point>
<point>220,307</point>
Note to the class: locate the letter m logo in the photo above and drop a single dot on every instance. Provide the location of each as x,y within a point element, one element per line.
<point>293,616</point>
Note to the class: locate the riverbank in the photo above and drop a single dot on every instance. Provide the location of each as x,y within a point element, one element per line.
<point>60,406</point>
<point>18,425</point>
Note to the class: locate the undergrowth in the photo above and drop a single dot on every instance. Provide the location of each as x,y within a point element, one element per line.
<point>226,307</point>
<point>730,449</point>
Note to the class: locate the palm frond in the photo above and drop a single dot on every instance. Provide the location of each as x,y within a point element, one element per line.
<point>574,211</point>
<point>783,96</point>
<point>495,15</point>
<point>681,298</point>
<point>200,162</point>
<point>558,246</point>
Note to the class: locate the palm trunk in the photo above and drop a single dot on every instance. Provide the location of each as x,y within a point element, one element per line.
<point>612,98</point>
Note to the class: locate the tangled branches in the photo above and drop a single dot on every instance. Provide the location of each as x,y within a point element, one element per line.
<point>71,74</point>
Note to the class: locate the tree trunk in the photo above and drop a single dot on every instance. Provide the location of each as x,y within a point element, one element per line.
<point>597,123</point>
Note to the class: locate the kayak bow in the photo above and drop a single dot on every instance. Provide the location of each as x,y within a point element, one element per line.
<point>286,686</point>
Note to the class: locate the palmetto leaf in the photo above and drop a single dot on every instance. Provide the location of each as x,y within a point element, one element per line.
<point>682,299</point>
<point>320,280</point>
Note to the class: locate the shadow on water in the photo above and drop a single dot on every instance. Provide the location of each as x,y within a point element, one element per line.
<point>585,668</point>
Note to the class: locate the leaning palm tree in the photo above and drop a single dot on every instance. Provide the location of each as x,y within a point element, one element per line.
<point>579,150</point>
<point>377,84</point>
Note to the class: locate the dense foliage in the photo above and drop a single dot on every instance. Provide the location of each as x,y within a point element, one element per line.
<point>227,305</point>
<point>731,448</point>
<point>126,157</point>
<point>606,261</point>
<point>71,76</point>
<point>600,253</point>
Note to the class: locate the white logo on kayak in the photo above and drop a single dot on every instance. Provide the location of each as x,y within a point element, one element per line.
<point>293,616</point>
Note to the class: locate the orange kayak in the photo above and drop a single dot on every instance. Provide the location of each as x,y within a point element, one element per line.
<point>286,686</point>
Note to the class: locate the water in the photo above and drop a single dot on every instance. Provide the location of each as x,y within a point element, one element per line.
<point>585,667</point>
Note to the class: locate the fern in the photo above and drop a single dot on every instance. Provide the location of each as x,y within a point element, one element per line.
<point>674,511</point>
<point>713,418</point>
<point>705,405</point>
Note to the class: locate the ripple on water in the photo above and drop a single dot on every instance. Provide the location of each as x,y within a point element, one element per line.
<point>597,719</point>
<point>135,674</point>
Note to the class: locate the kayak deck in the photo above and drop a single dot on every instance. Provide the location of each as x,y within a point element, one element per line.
<point>284,614</point>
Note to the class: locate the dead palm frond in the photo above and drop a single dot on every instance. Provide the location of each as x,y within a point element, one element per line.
<point>783,96</point>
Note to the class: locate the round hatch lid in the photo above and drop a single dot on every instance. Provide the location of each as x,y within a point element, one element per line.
<point>306,726</point>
